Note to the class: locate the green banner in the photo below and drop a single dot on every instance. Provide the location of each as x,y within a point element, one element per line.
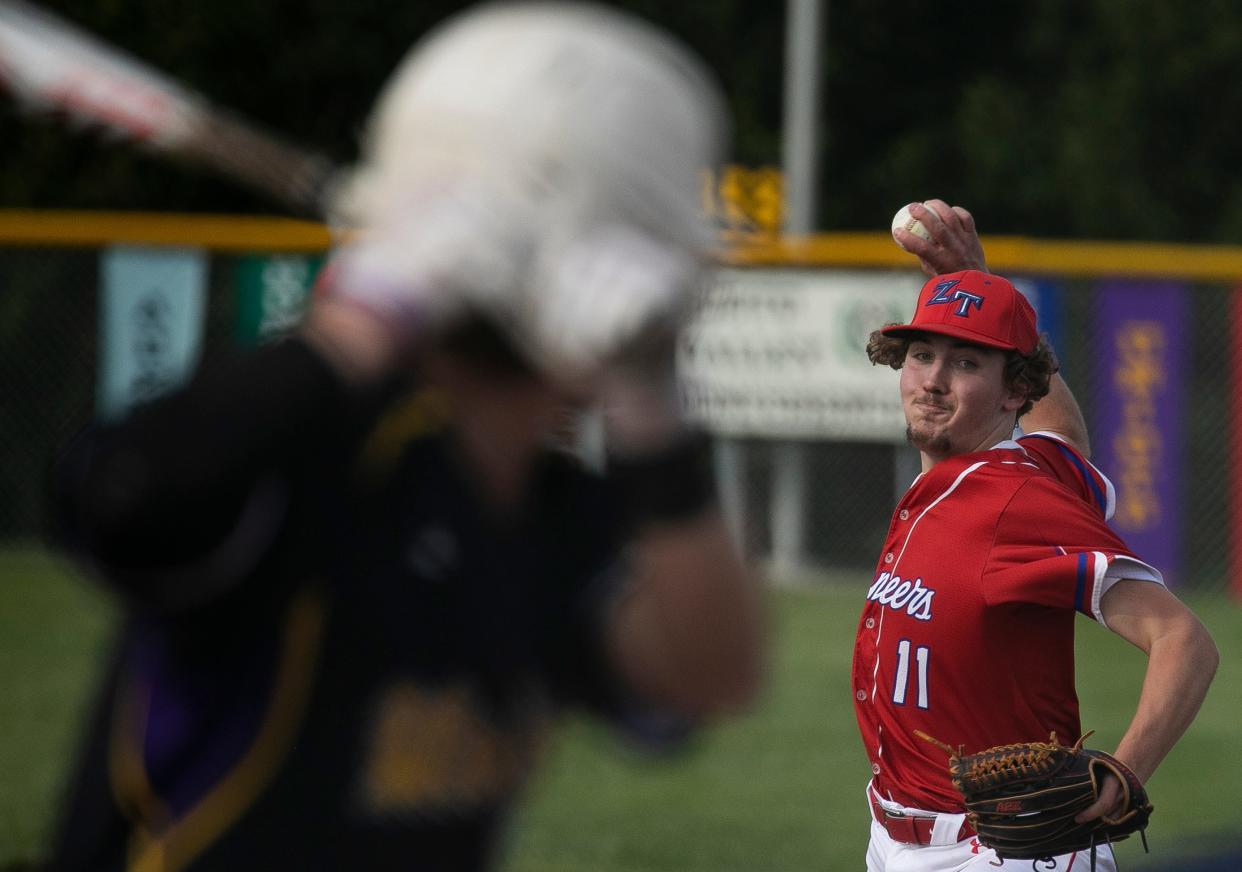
<point>273,293</point>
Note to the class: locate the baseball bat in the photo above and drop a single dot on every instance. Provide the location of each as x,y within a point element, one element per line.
<point>51,66</point>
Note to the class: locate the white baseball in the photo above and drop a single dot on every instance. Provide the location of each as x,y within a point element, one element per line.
<point>905,221</point>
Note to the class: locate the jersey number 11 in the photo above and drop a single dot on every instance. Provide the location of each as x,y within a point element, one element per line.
<point>900,683</point>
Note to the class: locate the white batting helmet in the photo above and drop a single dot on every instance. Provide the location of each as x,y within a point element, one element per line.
<point>572,116</point>
<point>577,105</point>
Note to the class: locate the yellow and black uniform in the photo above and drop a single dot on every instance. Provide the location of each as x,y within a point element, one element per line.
<point>335,657</point>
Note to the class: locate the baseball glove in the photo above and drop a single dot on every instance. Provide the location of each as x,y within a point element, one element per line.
<point>1022,799</point>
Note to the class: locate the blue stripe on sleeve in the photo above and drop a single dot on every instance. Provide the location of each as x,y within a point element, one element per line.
<point>1080,587</point>
<point>1100,499</point>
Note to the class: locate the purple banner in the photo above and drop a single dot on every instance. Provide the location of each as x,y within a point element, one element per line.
<point>1137,434</point>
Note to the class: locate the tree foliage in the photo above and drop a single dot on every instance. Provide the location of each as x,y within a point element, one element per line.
<point>1065,118</point>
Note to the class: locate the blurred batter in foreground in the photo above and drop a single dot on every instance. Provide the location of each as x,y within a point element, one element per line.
<point>362,579</point>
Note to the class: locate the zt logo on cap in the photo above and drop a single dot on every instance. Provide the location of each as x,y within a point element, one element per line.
<point>964,299</point>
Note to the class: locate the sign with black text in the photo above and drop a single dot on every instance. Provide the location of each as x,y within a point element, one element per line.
<point>782,353</point>
<point>151,323</point>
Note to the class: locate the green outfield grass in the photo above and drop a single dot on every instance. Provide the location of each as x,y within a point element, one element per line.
<point>53,630</point>
<point>780,789</point>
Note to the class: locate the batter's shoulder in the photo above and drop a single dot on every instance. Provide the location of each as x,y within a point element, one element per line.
<point>407,434</point>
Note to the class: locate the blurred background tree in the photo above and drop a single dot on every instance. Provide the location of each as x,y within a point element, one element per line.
<point>1104,119</point>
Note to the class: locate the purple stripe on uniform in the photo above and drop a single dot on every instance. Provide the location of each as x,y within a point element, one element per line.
<point>1080,589</point>
<point>1096,490</point>
<point>205,710</point>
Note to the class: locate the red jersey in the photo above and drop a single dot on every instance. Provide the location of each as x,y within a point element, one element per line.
<point>987,559</point>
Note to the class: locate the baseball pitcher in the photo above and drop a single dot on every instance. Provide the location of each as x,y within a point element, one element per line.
<point>967,632</point>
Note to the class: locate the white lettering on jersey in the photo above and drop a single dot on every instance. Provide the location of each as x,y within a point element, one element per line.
<point>892,591</point>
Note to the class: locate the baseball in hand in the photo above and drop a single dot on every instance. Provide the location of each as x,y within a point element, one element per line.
<point>904,220</point>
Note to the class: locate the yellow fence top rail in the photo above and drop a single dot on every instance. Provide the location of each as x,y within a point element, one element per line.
<point>1008,254</point>
<point>235,233</point>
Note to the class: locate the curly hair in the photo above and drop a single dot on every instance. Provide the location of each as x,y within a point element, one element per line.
<point>1029,374</point>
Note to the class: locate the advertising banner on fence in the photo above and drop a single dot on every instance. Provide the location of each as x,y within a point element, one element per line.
<point>781,354</point>
<point>1046,298</point>
<point>272,294</point>
<point>1138,438</point>
<point>151,323</point>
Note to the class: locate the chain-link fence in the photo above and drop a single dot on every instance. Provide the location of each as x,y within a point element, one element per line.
<point>851,487</point>
<point>49,324</point>
<point>49,349</point>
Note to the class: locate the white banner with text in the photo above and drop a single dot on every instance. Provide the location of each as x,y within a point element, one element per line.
<point>781,353</point>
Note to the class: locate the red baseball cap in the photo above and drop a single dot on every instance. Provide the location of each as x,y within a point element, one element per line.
<point>976,307</point>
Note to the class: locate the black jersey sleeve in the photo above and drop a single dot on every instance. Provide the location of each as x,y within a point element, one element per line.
<point>180,500</point>
<point>592,529</point>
